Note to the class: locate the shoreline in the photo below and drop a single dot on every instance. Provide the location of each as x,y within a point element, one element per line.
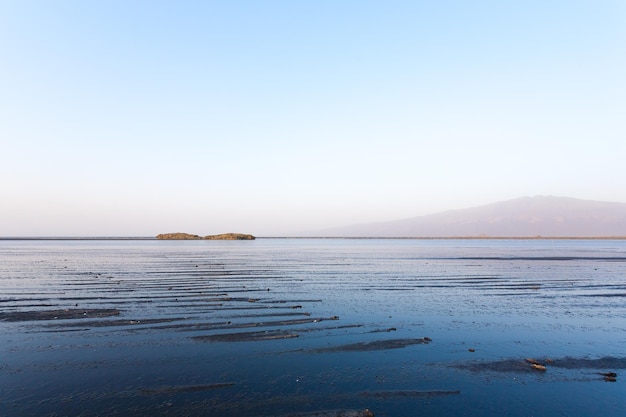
<point>140,238</point>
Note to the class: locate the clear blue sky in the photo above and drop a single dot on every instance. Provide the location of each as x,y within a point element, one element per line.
<point>265,117</point>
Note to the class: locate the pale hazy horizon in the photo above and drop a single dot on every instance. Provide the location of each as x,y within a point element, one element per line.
<point>137,118</point>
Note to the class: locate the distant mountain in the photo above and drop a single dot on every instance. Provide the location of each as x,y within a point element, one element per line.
<point>544,216</point>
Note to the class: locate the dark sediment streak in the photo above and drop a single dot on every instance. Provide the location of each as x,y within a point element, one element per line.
<point>115,323</point>
<point>333,413</point>
<point>385,395</point>
<point>542,258</point>
<point>522,365</point>
<point>247,336</point>
<point>169,390</point>
<point>59,314</point>
<point>373,345</point>
<point>607,362</point>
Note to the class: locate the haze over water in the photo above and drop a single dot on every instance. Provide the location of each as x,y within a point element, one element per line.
<point>287,326</point>
<point>275,117</point>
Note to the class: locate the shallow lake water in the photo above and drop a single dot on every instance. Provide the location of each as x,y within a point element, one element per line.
<point>313,327</point>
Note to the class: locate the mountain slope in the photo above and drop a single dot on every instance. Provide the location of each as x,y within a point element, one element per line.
<point>544,216</point>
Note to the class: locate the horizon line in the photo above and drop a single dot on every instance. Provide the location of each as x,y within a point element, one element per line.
<point>8,238</point>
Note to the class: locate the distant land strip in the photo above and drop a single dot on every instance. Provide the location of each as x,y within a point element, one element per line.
<point>77,238</point>
<point>188,236</point>
<point>452,237</point>
<point>6,238</point>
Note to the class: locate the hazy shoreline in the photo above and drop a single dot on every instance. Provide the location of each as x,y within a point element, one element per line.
<point>9,238</point>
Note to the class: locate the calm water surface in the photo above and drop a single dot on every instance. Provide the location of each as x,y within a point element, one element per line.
<point>278,327</point>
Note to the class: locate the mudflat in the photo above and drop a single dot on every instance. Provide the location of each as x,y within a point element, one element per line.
<point>312,328</point>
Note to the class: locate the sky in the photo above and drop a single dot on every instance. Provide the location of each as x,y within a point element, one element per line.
<point>133,118</point>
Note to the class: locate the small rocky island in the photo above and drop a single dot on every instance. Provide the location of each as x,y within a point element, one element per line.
<point>230,236</point>
<point>188,236</point>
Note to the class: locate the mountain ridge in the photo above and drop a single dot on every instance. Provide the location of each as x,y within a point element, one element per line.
<point>524,217</point>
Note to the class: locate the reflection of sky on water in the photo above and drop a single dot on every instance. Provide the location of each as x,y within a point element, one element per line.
<point>503,299</point>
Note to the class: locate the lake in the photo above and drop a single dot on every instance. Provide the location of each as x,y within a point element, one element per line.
<point>313,327</point>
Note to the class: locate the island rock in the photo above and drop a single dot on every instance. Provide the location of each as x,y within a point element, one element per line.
<point>188,236</point>
<point>230,236</point>
<point>178,236</point>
